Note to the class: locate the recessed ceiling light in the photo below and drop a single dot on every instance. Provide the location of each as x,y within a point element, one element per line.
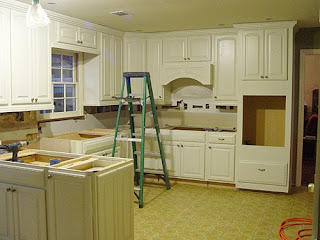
<point>121,13</point>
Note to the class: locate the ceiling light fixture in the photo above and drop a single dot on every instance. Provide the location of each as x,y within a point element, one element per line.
<point>121,13</point>
<point>36,16</point>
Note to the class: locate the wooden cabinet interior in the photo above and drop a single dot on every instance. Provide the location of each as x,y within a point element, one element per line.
<point>264,120</point>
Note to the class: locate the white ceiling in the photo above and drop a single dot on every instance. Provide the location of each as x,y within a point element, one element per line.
<point>168,15</point>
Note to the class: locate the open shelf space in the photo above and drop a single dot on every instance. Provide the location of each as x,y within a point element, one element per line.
<point>264,120</point>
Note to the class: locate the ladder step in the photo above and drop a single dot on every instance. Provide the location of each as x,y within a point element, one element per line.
<point>128,139</point>
<point>148,154</point>
<point>128,99</point>
<point>136,188</point>
<point>145,134</point>
<point>150,171</point>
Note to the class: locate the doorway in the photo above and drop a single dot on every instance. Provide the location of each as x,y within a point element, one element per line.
<point>308,115</point>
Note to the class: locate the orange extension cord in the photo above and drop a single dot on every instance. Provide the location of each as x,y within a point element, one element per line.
<point>294,222</point>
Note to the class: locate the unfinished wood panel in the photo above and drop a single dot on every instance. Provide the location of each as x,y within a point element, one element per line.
<point>264,120</point>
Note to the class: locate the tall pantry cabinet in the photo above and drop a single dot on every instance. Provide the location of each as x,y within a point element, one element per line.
<point>264,145</point>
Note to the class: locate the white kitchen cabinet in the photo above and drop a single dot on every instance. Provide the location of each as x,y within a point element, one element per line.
<point>184,159</point>
<point>172,155</point>
<point>29,208</point>
<point>76,35</point>
<point>5,58</point>
<point>192,160</point>
<point>6,214</point>
<point>23,212</point>
<point>135,60</point>
<point>103,73</point>
<point>30,54</point>
<point>69,193</point>
<point>264,54</point>
<point>191,48</point>
<point>220,162</point>
<point>154,63</point>
<point>225,69</point>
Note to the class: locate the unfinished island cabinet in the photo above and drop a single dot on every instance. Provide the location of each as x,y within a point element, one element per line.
<point>82,197</point>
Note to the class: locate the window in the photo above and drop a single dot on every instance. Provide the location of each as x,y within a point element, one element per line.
<point>65,86</point>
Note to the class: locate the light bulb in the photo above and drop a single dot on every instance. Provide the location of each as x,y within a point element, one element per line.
<point>36,16</point>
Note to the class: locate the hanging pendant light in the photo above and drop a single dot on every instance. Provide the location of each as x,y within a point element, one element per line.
<point>36,16</point>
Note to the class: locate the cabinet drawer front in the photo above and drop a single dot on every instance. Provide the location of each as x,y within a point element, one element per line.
<point>22,175</point>
<point>266,173</point>
<point>221,138</point>
<point>183,135</point>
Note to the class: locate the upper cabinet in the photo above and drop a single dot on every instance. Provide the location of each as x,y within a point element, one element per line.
<point>27,62</point>
<point>183,49</point>
<point>264,54</point>
<point>135,60</point>
<point>76,35</point>
<point>103,73</point>
<point>5,76</point>
<point>225,74</point>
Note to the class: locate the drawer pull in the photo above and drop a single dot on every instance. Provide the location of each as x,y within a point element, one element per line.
<point>8,189</point>
<point>210,147</point>
<point>262,169</point>
<point>181,145</point>
<point>13,190</point>
<point>49,176</point>
<point>221,139</point>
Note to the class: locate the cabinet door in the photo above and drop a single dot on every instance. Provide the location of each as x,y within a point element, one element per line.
<point>199,48</point>
<point>252,55</point>
<point>69,206</point>
<point>172,155</point>
<point>116,61</point>
<point>154,57</point>
<point>5,67</point>
<point>276,54</point>
<point>29,205</point>
<point>175,49</point>
<point>192,160</point>
<point>225,68</point>
<point>220,162</point>
<point>42,54</point>
<point>6,212</point>
<point>106,68</point>
<point>67,33</point>
<point>135,55</point>
<point>88,38</point>
<point>21,59</point>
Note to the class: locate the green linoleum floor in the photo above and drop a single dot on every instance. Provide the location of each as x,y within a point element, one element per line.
<point>196,212</point>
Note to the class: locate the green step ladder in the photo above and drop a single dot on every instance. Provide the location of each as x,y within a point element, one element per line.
<point>130,98</point>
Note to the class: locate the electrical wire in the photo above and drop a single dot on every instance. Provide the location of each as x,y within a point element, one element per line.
<point>295,222</point>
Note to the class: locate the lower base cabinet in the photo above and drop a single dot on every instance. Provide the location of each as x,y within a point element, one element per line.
<point>220,162</point>
<point>22,213</point>
<point>91,207</point>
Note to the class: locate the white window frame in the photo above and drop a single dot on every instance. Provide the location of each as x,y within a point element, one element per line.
<point>78,77</point>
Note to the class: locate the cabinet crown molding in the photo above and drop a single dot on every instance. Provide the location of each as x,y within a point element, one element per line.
<point>280,24</point>
<point>53,16</point>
